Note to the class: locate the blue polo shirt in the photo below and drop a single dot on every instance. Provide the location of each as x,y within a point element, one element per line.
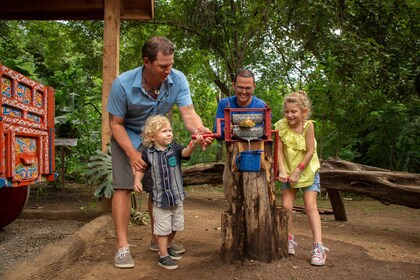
<point>130,101</point>
<point>231,102</point>
<point>166,173</point>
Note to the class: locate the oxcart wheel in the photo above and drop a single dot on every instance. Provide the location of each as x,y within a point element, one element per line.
<point>12,202</point>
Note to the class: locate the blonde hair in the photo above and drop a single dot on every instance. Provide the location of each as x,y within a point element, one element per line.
<point>299,98</point>
<point>152,126</point>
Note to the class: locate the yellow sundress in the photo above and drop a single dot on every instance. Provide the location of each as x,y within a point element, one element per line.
<point>294,150</point>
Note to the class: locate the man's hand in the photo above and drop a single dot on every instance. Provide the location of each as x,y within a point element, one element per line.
<point>137,163</point>
<point>207,140</point>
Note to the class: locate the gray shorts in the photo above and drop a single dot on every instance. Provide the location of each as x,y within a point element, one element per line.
<point>167,220</point>
<point>122,173</point>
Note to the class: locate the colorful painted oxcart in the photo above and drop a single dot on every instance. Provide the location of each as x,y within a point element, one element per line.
<point>26,140</point>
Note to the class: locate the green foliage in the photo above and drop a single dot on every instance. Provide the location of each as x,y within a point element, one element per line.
<point>137,216</point>
<point>357,60</point>
<point>100,174</point>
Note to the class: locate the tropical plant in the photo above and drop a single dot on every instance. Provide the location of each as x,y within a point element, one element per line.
<point>100,173</point>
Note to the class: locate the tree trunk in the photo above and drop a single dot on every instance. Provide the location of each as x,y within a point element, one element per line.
<point>252,226</point>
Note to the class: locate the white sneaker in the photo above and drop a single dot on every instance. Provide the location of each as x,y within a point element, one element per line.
<point>292,245</point>
<point>318,254</point>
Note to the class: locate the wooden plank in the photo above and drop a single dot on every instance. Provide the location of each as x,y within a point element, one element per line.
<point>324,211</point>
<point>41,6</point>
<point>73,10</point>
<point>65,142</point>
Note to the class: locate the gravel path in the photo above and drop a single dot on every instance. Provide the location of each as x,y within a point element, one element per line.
<point>24,238</point>
<point>50,215</point>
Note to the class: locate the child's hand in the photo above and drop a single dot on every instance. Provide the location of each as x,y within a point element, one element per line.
<point>197,141</point>
<point>283,177</point>
<point>205,141</point>
<point>294,177</point>
<point>138,187</point>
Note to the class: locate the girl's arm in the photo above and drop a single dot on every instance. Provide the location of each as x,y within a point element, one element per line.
<point>283,177</point>
<point>310,148</point>
<point>138,186</point>
<point>186,152</point>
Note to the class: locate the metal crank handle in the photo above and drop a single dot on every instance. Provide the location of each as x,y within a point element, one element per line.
<point>205,135</point>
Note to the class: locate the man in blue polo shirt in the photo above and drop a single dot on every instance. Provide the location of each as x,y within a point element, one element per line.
<point>151,89</point>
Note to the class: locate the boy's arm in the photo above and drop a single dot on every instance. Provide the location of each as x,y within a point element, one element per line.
<point>138,186</point>
<point>187,151</point>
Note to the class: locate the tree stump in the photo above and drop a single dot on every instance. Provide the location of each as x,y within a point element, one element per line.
<point>253,227</point>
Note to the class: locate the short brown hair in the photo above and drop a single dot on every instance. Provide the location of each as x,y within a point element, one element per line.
<point>244,73</point>
<point>155,44</point>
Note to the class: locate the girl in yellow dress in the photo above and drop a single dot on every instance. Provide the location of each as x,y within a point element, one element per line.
<point>299,166</point>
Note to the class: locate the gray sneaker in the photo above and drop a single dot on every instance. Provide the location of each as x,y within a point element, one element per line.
<point>167,263</point>
<point>123,258</point>
<point>176,248</point>
<point>173,254</point>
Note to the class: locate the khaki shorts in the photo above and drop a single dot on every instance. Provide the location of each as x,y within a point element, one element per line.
<point>122,174</point>
<point>167,220</point>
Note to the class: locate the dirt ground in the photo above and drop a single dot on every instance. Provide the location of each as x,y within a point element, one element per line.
<point>377,242</point>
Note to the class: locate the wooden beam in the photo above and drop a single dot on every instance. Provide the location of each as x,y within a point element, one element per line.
<point>73,10</point>
<point>384,185</point>
<point>110,67</point>
<point>387,187</point>
<point>42,6</point>
<point>205,173</point>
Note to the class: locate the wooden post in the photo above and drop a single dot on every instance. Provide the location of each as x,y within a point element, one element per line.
<point>63,143</point>
<point>63,166</point>
<point>337,205</point>
<point>252,226</point>
<point>110,61</point>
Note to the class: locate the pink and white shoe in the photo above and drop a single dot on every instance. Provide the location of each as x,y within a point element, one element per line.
<point>318,254</point>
